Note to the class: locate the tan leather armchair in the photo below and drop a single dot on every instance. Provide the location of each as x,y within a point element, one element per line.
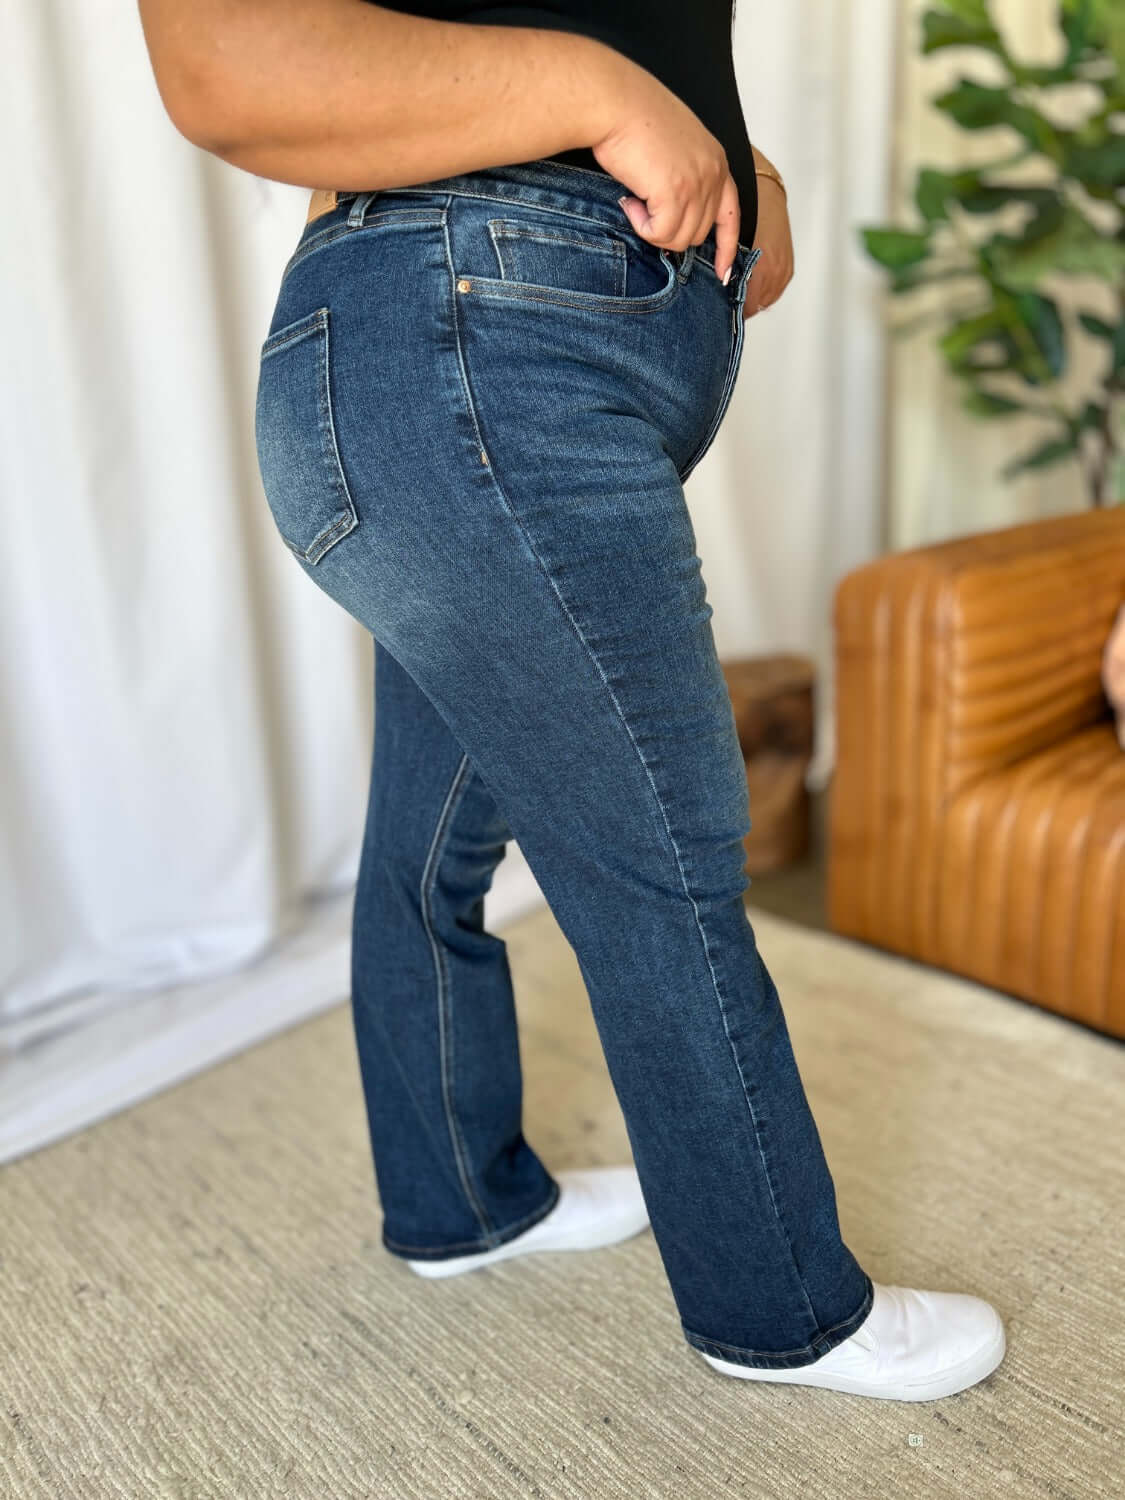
<point>977,809</point>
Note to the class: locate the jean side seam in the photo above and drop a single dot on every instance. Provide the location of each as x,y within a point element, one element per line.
<point>470,404</point>
<point>598,667</point>
<point>424,1116</point>
<point>444,994</point>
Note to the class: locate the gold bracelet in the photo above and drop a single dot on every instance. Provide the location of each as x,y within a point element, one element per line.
<point>773,176</point>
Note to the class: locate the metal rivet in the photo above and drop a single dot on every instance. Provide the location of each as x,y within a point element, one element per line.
<point>483,456</point>
<point>464,285</point>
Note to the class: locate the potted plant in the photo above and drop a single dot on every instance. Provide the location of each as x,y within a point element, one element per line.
<point>1054,204</point>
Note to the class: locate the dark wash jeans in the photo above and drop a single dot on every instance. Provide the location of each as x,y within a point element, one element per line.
<point>478,401</point>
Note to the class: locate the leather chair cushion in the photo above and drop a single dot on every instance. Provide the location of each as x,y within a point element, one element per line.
<point>1032,894</point>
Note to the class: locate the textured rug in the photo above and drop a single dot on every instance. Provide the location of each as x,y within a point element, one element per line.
<point>194,1301</point>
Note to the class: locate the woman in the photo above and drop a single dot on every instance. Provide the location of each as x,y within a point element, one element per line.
<point>507,334</point>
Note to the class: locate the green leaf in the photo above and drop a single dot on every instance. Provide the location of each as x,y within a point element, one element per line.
<point>896,247</point>
<point>909,277</point>
<point>1040,315</point>
<point>1114,337</point>
<point>940,29</point>
<point>976,107</point>
<point>983,346</point>
<point>1077,23</point>
<point>1097,327</point>
<point>1111,22</point>
<point>973,11</point>
<point>1051,452</point>
<point>1041,75</point>
<point>931,193</point>
<point>988,198</point>
<point>986,404</point>
<point>1075,248</point>
<point>969,333</point>
<point>1050,210</point>
<point>1101,165</point>
<point>1093,415</point>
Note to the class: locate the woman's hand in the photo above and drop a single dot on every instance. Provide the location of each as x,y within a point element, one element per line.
<point>774,270</point>
<point>675,168</point>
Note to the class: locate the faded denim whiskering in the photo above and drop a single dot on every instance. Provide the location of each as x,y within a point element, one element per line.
<point>478,401</point>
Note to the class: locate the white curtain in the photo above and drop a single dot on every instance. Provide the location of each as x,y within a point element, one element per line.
<point>186,721</point>
<point>790,497</point>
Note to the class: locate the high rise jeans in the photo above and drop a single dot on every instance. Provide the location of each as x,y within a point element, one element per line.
<point>478,401</point>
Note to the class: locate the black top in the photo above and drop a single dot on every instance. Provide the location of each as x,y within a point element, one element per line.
<point>688,47</point>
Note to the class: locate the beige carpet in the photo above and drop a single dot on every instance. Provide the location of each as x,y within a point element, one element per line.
<point>195,1302</point>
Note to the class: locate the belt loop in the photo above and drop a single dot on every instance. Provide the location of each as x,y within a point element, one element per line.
<point>685,265</point>
<point>359,208</point>
<point>737,291</point>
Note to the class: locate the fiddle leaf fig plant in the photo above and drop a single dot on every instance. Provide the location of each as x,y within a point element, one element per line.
<point>1053,205</point>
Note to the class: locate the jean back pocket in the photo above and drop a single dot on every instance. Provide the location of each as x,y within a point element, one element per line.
<point>295,434</point>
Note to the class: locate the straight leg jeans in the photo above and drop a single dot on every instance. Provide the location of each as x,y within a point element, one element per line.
<point>477,403</point>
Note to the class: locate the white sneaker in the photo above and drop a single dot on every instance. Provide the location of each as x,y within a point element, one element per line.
<point>596,1206</point>
<point>912,1346</point>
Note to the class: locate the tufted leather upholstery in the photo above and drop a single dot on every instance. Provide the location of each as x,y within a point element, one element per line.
<point>977,809</point>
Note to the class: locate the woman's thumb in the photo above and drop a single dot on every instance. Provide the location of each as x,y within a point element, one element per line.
<point>635,211</point>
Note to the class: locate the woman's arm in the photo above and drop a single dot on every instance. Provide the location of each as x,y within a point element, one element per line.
<point>344,94</point>
<point>774,270</point>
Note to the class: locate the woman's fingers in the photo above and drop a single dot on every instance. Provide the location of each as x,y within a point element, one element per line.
<point>727,223</point>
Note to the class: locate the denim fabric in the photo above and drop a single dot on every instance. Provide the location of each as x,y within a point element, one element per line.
<point>478,401</point>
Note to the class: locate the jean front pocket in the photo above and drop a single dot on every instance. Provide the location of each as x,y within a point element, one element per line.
<point>295,433</point>
<point>558,257</point>
<point>569,260</point>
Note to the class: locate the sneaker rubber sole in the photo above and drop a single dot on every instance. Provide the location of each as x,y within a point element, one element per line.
<point>879,1360</point>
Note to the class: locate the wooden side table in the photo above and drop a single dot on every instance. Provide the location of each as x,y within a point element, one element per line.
<point>772,698</point>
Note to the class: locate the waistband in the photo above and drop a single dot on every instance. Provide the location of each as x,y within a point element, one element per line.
<point>551,184</point>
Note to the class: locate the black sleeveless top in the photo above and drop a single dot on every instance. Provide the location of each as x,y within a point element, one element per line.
<point>688,47</point>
